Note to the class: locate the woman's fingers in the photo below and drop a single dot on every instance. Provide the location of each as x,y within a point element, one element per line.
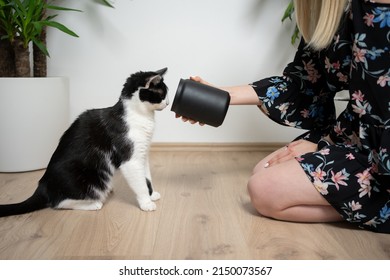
<point>200,80</point>
<point>184,119</point>
<point>291,151</point>
<point>196,79</point>
<point>281,156</point>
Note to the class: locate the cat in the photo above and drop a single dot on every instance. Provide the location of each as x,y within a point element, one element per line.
<point>96,144</point>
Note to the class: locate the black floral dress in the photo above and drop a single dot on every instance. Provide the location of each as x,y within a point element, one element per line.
<point>351,168</point>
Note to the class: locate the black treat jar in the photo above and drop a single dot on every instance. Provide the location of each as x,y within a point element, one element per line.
<point>201,102</point>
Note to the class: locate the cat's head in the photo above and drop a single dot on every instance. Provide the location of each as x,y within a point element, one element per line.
<point>148,88</point>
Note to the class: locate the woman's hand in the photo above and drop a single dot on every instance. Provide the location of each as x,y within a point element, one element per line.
<point>200,80</point>
<point>291,151</point>
<point>184,119</point>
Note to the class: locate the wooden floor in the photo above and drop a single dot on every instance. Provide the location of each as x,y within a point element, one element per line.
<point>204,213</point>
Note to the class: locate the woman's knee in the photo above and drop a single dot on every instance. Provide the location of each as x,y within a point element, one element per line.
<point>261,194</point>
<point>258,167</point>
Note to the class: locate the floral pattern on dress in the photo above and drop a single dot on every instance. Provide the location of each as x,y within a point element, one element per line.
<point>351,168</point>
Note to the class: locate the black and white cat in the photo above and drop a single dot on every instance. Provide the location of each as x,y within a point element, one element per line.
<point>97,143</point>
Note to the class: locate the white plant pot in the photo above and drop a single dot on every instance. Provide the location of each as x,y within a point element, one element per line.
<point>34,113</point>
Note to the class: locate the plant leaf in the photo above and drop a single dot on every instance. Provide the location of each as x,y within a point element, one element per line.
<point>107,3</point>
<point>295,35</point>
<point>58,8</point>
<point>59,26</point>
<point>41,46</point>
<point>289,11</point>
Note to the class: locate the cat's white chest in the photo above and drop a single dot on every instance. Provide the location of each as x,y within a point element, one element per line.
<point>140,126</point>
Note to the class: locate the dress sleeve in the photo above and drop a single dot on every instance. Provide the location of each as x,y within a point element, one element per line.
<point>302,97</point>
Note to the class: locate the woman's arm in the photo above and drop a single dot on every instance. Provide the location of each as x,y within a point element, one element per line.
<point>242,95</point>
<point>239,95</point>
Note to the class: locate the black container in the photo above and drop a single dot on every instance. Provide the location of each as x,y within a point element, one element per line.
<point>201,102</point>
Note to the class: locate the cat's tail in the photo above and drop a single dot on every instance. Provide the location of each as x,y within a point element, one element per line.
<point>37,201</point>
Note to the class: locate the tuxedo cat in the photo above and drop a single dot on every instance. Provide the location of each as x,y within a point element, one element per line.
<point>97,143</point>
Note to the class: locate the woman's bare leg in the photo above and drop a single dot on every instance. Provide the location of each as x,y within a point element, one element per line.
<point>283,191</point>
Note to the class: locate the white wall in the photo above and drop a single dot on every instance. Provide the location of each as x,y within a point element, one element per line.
<point>227,42</point>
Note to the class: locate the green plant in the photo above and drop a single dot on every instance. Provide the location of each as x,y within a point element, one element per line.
<point>24,22</point>
<point>288,14</point>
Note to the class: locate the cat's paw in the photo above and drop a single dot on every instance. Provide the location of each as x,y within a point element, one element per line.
<point>148,206</point>
<point>155,196</point>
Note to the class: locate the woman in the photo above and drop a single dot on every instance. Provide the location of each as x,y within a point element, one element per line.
<point>340,169</point>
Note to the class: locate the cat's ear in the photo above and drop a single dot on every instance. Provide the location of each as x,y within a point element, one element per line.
<point>155,79</point>
<point>161,72</point>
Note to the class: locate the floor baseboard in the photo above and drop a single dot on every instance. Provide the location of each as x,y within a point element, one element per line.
<point>215,147</point>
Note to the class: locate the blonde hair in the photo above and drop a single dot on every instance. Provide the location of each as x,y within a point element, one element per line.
<point>318,20</point>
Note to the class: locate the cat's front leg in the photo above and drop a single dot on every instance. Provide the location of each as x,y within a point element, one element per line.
<point>153,194</point>
<point>134,173</point>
